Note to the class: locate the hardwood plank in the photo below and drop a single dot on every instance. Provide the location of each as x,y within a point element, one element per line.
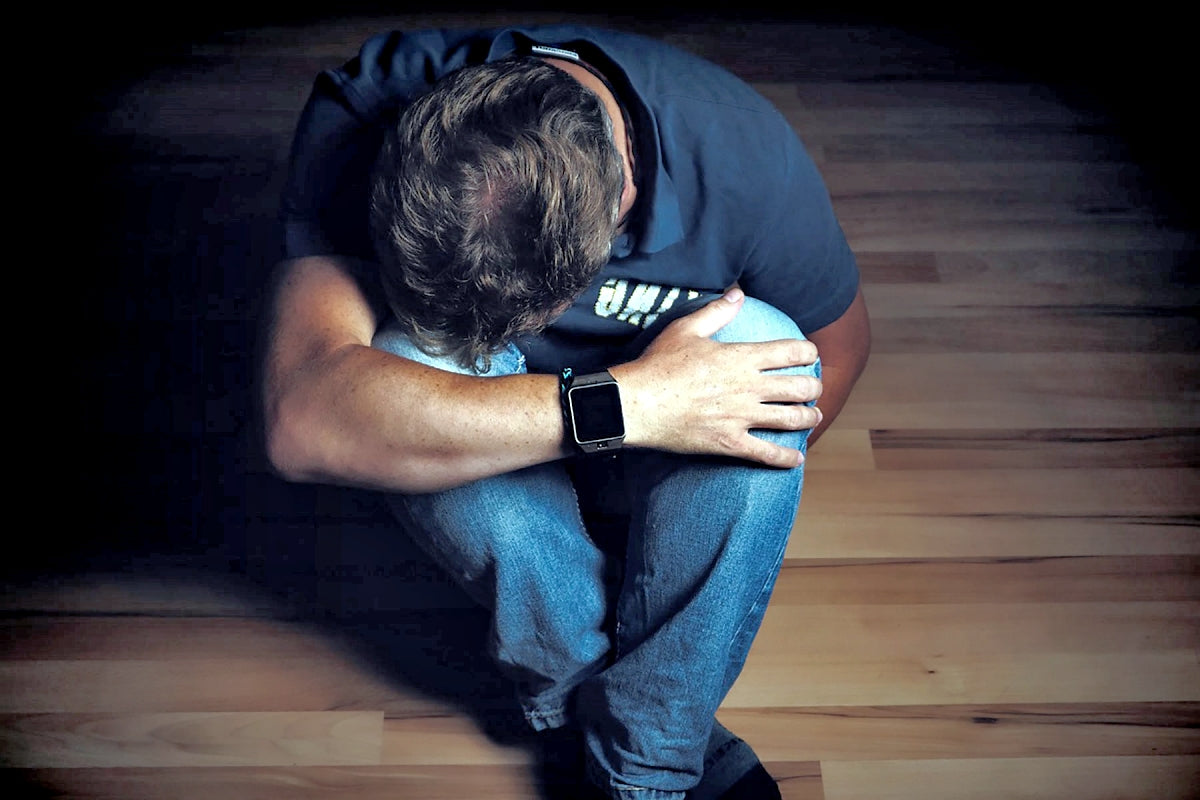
<point>876,269</point>
<point>1149,268</point>
<point>1160,777</point>
<point>266,132</point>
<point>488,782</point>
<point>1080,182</point>
<point>917,115</point>
<point>1032,390</point>
<point>993,652</point>
<point>1044,317</point>
<point>86,638</point>
<point>987,627</point>
<point>152,591</point>
<point>1080,448</point>
<point>939,679</point>
<point>798,780</point>
<point>841,448</point>
<point>1040,331</point>
<point>1170,495</point>
<point>1028,299</point>
<point>1016,580</point>
<point>444,740</point>
<point>849,535</point>
<point>218,684</point>
<point>900,231</point>
<point>192,739</point>
<point>1015,209</point>
<point>972,143</point>
<point>887,51</point>
<point>973,94</point>
<point>858,733</point>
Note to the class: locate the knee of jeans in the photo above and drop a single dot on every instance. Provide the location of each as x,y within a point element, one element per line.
<point>762,322</point>
<point>560,586</point>
<point>391,338</point>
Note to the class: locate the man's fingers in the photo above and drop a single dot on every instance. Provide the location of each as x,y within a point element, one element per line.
<point>788,417</point>
<point>791,389</point>
<point>768,453</point>
<point>709,319</point>
<point>778,354</point>
<point>724,391</point>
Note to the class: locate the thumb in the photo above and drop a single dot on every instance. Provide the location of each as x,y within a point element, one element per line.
<point>709,319</point>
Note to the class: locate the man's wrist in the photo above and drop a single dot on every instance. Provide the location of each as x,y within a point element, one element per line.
<point>593,420</point>
<point>627,377</point>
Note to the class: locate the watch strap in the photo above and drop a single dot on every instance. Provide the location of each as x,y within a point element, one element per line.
<point>567,381</point>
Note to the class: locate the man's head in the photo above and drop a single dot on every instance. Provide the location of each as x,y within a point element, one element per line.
<point>494,204</point>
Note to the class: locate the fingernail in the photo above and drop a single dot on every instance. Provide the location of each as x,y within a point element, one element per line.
<point>734,295</point>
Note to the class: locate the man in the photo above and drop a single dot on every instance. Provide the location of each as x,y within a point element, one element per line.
<point>587,297</point>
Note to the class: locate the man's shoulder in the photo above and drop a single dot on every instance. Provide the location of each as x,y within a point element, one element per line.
<point>400,64</point>
<point>662,69</point>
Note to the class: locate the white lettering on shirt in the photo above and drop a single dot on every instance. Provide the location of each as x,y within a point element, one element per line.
<point>638,304</point>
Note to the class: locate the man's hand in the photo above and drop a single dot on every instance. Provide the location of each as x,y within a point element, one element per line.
<point>689,394</point>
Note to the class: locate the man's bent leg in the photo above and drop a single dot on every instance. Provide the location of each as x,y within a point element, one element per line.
<point>517,545</point>
<point>707,539</point>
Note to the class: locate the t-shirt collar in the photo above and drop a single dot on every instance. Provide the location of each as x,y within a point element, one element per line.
<point>656,222</point>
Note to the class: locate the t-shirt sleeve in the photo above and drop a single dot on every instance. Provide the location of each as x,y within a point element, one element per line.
<point>338,136</point>
<point>802,263</point>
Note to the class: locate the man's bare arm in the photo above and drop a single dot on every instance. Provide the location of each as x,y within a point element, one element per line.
<point>338,411</point>
<point>844,346</point>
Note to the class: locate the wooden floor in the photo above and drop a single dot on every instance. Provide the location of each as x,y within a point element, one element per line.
<point>992,587</point>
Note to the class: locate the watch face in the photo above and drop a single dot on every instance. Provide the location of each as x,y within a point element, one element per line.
<point>596,411</point>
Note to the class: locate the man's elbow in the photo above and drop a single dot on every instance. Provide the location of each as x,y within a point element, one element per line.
<point>300,449</point>
<point>287,444</point>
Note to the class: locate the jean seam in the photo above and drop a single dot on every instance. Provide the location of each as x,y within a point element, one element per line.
<point>766,588</point>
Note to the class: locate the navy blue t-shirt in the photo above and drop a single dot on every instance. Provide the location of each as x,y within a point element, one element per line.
<point>727,192</point>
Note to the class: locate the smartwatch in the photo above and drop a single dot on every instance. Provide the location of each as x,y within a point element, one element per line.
<point>591,406</point>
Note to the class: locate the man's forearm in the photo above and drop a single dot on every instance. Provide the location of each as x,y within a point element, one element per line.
<point>339,411</point>
<point>370,419</point>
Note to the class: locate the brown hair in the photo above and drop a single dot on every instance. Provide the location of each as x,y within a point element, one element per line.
<point>493,205</point>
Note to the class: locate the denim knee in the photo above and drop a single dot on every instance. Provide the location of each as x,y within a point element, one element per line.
<point>762,322</point>
<point>391,338</point>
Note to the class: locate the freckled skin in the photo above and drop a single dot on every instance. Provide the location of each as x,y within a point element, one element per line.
<point>406,427</point>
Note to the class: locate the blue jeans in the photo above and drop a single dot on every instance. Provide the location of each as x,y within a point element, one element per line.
<point>706,539</point>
